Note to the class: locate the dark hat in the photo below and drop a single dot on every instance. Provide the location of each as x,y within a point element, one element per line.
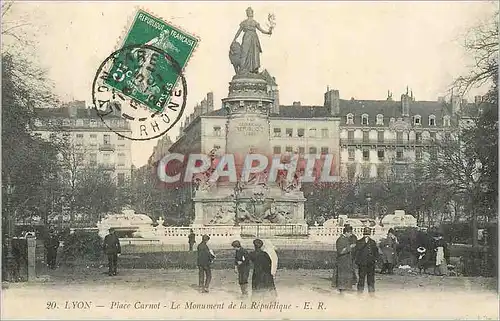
<point>367,231</point>
<point>391,230</point>
<point>258,243</point>
<point>347,229</point>
<point>236,244</point>
<point>205,238</point>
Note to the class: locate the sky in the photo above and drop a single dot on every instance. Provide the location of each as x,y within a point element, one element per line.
<point>361,48</point>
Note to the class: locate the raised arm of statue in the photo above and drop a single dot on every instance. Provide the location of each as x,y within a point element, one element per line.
<point>263,31</point>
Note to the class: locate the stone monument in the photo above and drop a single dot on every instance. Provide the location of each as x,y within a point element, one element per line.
<point>248,105</point>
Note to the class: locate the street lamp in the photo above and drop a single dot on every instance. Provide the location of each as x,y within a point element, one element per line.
<point>368,200</point>
<point>10,233</point>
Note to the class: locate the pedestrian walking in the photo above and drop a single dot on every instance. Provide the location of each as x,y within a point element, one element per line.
<point>241,266</point>
<point>111,247</point>
<point>191,240</point>
<point>263,286</point>
<point>51,245</point>
<point>366,257</point>
<point>442,256</point>
<point>388,247</point>
<point>344,271</point>
<point>205,259</point>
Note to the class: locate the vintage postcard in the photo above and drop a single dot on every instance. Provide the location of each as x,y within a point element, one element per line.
<point>259,160</point>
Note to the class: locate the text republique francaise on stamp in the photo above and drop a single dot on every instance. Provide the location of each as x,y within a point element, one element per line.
<point>143,81</point>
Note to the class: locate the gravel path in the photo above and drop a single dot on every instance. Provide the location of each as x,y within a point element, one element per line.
<point>171,294</point>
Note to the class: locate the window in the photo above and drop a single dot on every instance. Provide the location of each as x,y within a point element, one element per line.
<point>300,132</point>
<point>79,122</point>
<point>399,154</point>
<point>289,132</point>
<point>289,149</point>
<point>312,132</point>
<point>350,154</point>
<point>350,134</point>
<point>366,136</point>
<point>106,139</point>
<point>447,136</point>
<point>446,121</point>
<point>380,171</point>
<point>324,150</point>
<point>399,137</point>
<point>93,159</point>
<point>432,120</point>
<point>418,137</point>
<point>277,132</point>
<point>380,136</point>
<point>433,135</point>
<point>313,150</point>
<point>417,120</point>
<point>324,133</point>
<point>79,136</point>
<point>277,150</point>
<point>380,119</point>
<point>120,178</point>
<point>364,119</point>
<point>120,138</point>
<point>351,171</point>
<point>349,119</point>
<point>106,158</point>
<point>93,123</point>
<point>121,159</point>
<point>366,155</point>
<point>418,153</point>
<point>93,136</point>
<point>302,150</point>
<point>366,172</point>
<point>217,130</point>
<point>381,154</point>
<point>52,136</point>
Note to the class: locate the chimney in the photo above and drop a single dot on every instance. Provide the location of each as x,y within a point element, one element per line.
<point>405,105</point>
<point>332,102</point>
<point>275,94</point>
<point>478,99</point>
<point>296,104</point>
<point>203,108</point>
<point>210,102</point>
<point>455,104</point>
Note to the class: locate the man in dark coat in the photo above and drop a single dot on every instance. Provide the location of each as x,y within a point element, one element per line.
<point>262,278</point>
<point>205,259</point>
<point>191,240</point>
<point>52,244</point>
<point>241,266</point>
<point>366,257</point>
<point>111,247</point>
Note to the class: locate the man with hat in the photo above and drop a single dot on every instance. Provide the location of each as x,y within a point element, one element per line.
<point>263,286</point>
<point>366,257</point>
<point>111,247</point>
<point>52,244</point>
<point>205,258</point>
<point>241,266</point>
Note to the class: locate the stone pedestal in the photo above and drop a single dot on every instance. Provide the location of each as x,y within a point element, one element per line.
<point>31,258</point>
<point>248,131</point>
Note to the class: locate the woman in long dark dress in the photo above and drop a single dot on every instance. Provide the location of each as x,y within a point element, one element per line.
<point>262,279</point>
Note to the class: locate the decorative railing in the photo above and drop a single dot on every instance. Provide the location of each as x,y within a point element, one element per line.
<point>260,230</point>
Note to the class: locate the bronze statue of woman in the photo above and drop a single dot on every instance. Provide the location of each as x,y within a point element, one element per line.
<point>249,52</point>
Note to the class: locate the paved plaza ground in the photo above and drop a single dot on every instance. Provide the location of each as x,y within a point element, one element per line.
<point>81,293</point>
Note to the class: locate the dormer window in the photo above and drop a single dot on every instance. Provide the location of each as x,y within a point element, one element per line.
<point>417,120</point>
<point>446,121</point>
<point>364,119</point>
<point>432,120</point>
<point>380,119</point>
<point>350,119</point>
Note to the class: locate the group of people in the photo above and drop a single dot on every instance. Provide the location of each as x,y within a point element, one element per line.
<point>263,258</point>
<point>356,261</point>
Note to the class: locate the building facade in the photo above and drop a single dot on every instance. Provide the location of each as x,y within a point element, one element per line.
<point>88,138</point>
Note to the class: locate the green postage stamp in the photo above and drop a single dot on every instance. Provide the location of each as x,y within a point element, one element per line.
<point>134,76</point>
